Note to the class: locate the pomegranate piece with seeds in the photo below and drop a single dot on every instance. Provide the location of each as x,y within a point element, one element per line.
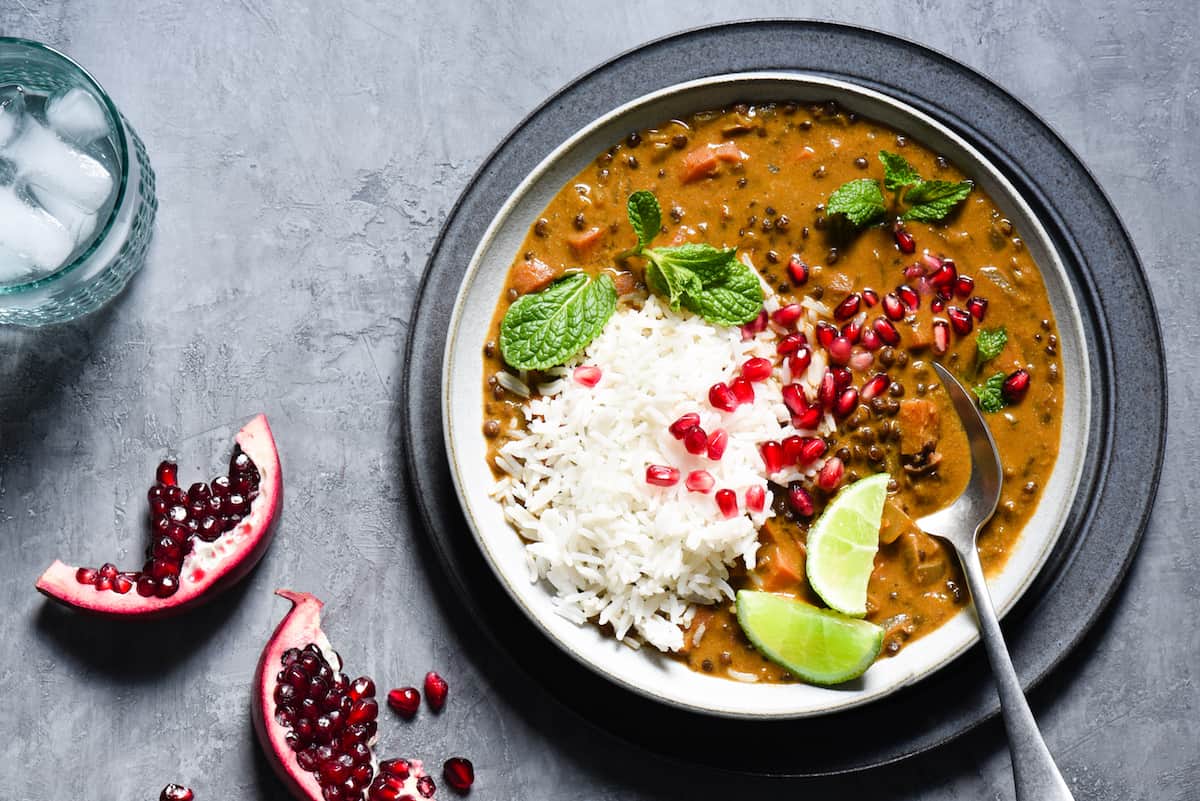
<point>435,691</point>
<point>317,726</point>
<point>204,539</point>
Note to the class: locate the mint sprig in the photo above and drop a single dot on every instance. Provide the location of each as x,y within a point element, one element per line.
<point>989,342</point>
<point>710,281</point>
<point>546,328</point>
<point>862,201</point>
<point>991,394</point>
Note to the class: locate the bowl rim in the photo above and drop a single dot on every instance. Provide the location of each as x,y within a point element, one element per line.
<point>1031,227</point>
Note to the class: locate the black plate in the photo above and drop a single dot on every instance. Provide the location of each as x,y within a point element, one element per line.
<point>1119,482</point>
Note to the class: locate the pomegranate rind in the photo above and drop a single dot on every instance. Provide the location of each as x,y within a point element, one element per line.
<point>211,568</point>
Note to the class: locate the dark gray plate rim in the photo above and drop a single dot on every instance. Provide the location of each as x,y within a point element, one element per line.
<point>1117,489</point>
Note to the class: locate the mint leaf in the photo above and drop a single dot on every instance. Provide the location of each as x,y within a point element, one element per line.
<point>990,394</point>
<point>988,344</point>
<point>546,328</point>
<point>733,299</point>
<point>644,215</point>
<point>679,280</point>
<point>860,201</point>
<point>933,200</point>
<point>708,263</point>
<point>897,172</point>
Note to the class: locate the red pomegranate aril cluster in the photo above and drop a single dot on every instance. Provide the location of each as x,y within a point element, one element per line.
<point>389,784</point>
<point>330,722</point>
<point>204,511</point>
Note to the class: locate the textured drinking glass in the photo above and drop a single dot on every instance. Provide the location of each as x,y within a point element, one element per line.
<point>103,260</point>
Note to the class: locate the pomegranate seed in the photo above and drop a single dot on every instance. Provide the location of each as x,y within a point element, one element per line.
<point>772,456</point>
<point>852,330</point>
<point>830,474</point>
<point>722,397</point>
<point>826,333</point>
<point>861,360</point>
<point>695,440</point>
<point>661,475</point>
<point>798,362</point>
<point>167,474</point>
<point>787,316</point>
<point>727,503</point>
<point>756,369</point>
<point>904,240</point>
<point>361,688</point>
<point>587,375</point>
<point>937,305</point>
<point>800,500</point>
<point>405,701</point>
<point>426,787</point>
<point>848,307</point>
<point>808,420</point>
<point>886,331</point>
<point>363,711</point>
<point>794,398</point>
<point>85,575</point>
<point>755,326</point>
<point>743,390</point>
<point>873,388</point>
<point>870,297</point>
<point>944,277</point>
<point>1015,386</point>
<point>791,343</point>
<point>960,319</point>
<point>909,297</point>
<point>941,336</point>
<point>791,449</point>
<point>436,687</point>
<point>797,271</point>
<point>699,481</point>
<point>839,350</point>
<point>684,424</point>
<point>892,306</point>
<point>717,443</point>
<point>914,272</point>
<point>846,402</point>
<point>811,449</point>
<point>870,339</point>
<point>756,499</point>
<point>459,773</point>
<point>930,261</point>
<point>841,377</point>
<point>827,390</point>
<point>176,792</point>
<point>122,584</point>
<point>964,286</point>
<point>977,307</point>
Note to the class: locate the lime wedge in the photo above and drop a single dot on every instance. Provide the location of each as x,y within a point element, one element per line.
<point>818,645</point>
<point>842,545</point>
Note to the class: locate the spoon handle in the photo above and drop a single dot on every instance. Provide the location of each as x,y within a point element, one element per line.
<point>1035,775</point>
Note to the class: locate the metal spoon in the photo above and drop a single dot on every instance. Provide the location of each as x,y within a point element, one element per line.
<point>1034,773</point>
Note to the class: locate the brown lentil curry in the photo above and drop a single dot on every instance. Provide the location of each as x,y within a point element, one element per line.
<point>768,202</point>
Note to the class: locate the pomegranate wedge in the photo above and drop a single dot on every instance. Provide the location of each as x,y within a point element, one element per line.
<point>204,539</point>
<point>316,726</point>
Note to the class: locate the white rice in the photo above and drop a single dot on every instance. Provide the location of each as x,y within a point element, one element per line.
<point>614,549</point>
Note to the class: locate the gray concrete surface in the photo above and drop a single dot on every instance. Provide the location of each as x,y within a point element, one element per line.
<point>306,157</point>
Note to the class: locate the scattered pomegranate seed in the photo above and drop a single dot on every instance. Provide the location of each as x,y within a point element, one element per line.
<point>790,344</point>
<point>426,787</point>
<point>839,350</point>
<point>168,474</point>
<point>886,331</point>
<point>755,326</point>
<point>727,503</point>
<point>798,362</point>
<point>977,307</point>
<point>756,369</point>
<point>961,320</point>
<point>772,456</point>
<point>826,333</point>
<point>459,773</point>
<point>914,272</point>
<point>861,360</point>
<point>870,339</point>
<point>852,330</point>
<point>794,398</point>
<point>787,315</point>
<point>827,390</point>
<point>808,420</point>
<point>811,449</point>
<point>909,297</point>
<point>846,402</point>
<point>399,768</point>
<point>791,449</point>
<point>930,261</point>
<point>1015,386</point>
<point>695,440</point>
<point>964,286</point>
<point>683,424</point>
<point>870,297</point>
<point>904,240</point>
<point>892,306</point>
<point>699,481</point>
<point>661,476</point>
<point>797,271</point>
<point>937,305</point>
<point>841,377</point>
<point>941,336</point>
<point>85,575</point>
<point>945,277</point>
<point>800,499</point>
<point>830,474</point>
<point>743,390</point>
<point>717,443</point>
<point>848,307</point>
<point>587,375</point>
<point>405,701</point>
<point>875,387</point>
<point>176,792</point>
<point>436,687</point>
<point>756,499</point>
<point>722,397</point>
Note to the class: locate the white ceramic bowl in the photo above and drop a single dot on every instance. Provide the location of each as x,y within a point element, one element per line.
<point>646,671</point>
